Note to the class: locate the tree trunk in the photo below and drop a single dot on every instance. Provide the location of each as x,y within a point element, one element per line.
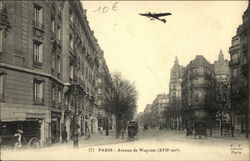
<point>231,124</point>
<point>221,127</point>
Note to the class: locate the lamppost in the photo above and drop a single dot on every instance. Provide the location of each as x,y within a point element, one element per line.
<point>76,91</point>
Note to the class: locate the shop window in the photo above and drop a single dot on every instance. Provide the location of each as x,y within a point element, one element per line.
<point>38,92</point>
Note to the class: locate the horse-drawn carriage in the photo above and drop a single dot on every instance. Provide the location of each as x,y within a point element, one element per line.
<point>200,129</point>
<point>132,129</point>
<point>13,137</point>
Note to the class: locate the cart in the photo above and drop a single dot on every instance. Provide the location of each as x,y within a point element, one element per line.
<point>132,130</point>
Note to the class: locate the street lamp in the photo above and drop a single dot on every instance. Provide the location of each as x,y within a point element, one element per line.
<point>76,91</point>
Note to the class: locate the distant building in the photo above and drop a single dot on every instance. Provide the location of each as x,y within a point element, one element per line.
<point>148,108</point>
<point>222,76</point>
<point>158,107</point>
<point>221,69</point>
<point>104,88</point>
<point>175,95</point>
<point>197,93</point>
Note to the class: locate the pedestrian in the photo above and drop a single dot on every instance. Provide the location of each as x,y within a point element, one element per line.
<point>64,135</point>
<point>87,127</point>
<point>18,144</point>
<point>100,129</point>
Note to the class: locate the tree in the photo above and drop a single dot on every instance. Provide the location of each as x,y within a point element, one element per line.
<point>121,101</point>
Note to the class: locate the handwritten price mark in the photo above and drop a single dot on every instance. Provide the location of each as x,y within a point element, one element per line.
<point>105,9</point>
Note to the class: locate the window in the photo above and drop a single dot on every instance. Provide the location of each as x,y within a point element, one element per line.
<point>2,75</point>
<point>71,72</point>
<point>59,33</point>
<point>38,16</point>
<point>38,92</point>
<point>38,52</point>
<point>235,72</point>
<point>58,67</point>
<point>1,41</point>
<point>53,93</point>
<point>53,65</point>
<point>71,16</point>
<point>53,25</point>
<point>59,8</point>
<point>1,4</point>
<point>71,42</point>
<point>235,56</point>
<point>59,96</point>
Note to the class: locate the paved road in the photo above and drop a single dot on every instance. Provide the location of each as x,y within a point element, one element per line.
<point>150,145</point>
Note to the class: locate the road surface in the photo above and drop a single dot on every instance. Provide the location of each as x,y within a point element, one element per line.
<point>150,145</point>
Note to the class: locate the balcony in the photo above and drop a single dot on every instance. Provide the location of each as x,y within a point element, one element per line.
<point>201,85</point>
<point>245,48</point>
<point>59,105</point>
<point>234,48</point>
<point>38,25</point>
<point>234,62</point>
<point>38,101</point>
<point>37,65</point>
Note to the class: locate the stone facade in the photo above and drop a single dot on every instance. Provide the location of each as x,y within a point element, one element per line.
<point>48,52</point>
<point>175,95</point>
<point>197,93</point>
<point>239,66</point>
<point>104,87</point>
<point>148,108</point>
<point>31,92</point>
<point>159,105</point>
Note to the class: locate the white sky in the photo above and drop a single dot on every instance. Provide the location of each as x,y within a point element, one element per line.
<point>144,50</point>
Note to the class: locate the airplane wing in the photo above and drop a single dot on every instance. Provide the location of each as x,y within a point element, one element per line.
<point>161,14</point>
<point>144,14</point>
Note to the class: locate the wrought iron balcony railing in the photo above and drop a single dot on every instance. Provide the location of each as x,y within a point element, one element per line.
<point>38,25</point>
<point>234,62</point>
<point>39,101</point>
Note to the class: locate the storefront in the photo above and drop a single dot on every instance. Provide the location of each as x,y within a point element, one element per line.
<point>55,127</point>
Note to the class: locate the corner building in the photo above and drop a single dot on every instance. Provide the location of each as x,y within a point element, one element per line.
<point>197,90</point>
<point>31,92</point>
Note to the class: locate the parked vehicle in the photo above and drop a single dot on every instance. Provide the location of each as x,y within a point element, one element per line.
<point>132,129</point>
<point>200,130</point>
<point>20,135</point>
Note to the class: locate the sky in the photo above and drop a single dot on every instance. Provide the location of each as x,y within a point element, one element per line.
<point>144,50</point>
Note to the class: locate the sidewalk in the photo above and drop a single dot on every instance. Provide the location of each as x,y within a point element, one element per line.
<point>94,140</point>
<point>217,134</point>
